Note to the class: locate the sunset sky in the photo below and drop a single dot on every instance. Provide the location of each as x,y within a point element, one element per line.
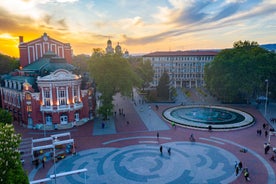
<point>140,26</point>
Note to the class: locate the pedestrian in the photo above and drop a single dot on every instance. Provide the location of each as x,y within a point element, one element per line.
<point>267,148</point>
<point>236,164</point>
<point>237,170</point>
<point>127,122</point>
<point>43,162</point>
<point>259,132</point>
<point>240,165</point>
<point>264,126</point>
<point>36,163</point>
<point>173,124</point>
<point>169,151</point>
<point>161,149</point>
<point>266,133</point>
<point>157,135</point>
<point>156,107</point>
<point>246,174</point>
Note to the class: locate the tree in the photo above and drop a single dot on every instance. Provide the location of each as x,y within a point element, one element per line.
<point>112,74</point>
<point>163,88</point>
<point>8,64</point>
<point>145,71</point>
<point>10,164</point>
<point>238,74</point>
<point>5,116</point>
<point>80,61</point>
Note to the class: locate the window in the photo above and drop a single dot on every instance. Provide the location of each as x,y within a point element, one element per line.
<point>47,99</point>
<point>29,108</point>
<point>28,96</point>
<point>62,96</point>
<point>75,94</point>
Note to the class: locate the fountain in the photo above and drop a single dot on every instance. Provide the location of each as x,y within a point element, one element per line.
<point>206,117</point>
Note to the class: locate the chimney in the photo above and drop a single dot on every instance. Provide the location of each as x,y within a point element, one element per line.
<point>20,39</point>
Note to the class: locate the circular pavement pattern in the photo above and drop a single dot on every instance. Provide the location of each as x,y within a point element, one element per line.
<point>188,163</point>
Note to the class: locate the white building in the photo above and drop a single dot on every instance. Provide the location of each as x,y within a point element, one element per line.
<point>185,68</point>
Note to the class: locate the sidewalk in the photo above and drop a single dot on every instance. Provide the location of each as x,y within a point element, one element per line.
<point>270,113</point>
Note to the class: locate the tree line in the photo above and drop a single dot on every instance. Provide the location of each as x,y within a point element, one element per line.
<point>240,74</point>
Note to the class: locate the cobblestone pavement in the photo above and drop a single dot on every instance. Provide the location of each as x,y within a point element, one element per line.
<point>124,152</point>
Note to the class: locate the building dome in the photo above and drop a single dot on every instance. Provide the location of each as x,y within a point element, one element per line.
<point>118,49</point>
<point>109,42</point>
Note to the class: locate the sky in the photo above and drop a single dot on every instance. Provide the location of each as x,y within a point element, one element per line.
<point>140,26</point>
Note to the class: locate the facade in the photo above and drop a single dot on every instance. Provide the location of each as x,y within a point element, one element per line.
<point>35,49</point>
<point>48,93</point>
<point>185,68</point>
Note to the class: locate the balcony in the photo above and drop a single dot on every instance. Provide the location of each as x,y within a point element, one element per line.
<point>61,108</point>
<point>78,105</point>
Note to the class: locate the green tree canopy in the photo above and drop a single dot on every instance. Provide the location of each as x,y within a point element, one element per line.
<point>8,64</point>
<point>239,74</point>
<point>5,116</point>
<point>112,74</point>
<point>144,70</point>
<point>163,88</point>
<point>81,61</point>
<point>10,164</point>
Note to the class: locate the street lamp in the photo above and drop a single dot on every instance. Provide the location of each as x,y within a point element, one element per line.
<point>266,96</point>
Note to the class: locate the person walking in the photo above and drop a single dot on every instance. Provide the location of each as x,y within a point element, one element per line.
<point>240,165</point>
<point>246,174</point>
<point>237,170</point>
<point>161,149</point>
<point>169,151</point>
<point>43,162</point>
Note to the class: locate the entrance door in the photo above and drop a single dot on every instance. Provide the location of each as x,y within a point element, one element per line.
<point>63,119</point>
<point>77,116</point>
<point>30,123</point>
<point>49,120</point>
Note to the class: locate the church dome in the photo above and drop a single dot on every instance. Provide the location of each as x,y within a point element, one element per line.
<point>118,48</point>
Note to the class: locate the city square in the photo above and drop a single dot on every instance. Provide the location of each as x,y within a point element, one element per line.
<point>124,152</point>
<point>137,92</point>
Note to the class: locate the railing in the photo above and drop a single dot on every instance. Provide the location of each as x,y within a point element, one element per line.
<point>57,108</point>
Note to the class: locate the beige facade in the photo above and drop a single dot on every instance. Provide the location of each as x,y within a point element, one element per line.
<point>185,68</point>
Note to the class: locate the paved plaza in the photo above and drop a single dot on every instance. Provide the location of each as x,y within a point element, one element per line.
<point>130,152</point>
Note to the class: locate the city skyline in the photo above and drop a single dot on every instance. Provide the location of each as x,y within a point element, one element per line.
<point>139,26</point>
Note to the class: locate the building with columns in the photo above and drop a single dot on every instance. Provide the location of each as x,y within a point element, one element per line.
<point>185,68</point>
<point>35,49</point>
<point>48,93</point>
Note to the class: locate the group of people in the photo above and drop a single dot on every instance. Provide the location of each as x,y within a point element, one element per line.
<point>239,168</point>
<point>161,150</point>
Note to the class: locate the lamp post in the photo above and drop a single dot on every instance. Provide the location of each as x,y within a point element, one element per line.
<point>266,96</point>
<point>149,113</point>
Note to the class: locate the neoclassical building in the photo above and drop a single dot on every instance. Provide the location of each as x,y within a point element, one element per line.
<point>185,68</point>
<point>35,49</point>
<point>48,92</point>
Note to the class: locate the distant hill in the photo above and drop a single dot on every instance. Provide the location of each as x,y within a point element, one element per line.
<point>270,47</point>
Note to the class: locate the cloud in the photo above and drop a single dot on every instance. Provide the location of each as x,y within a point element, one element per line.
<point>227,11</point>
<point>199,16</point>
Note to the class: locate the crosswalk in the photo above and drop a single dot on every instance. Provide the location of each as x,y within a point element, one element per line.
<point>25,147</point>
